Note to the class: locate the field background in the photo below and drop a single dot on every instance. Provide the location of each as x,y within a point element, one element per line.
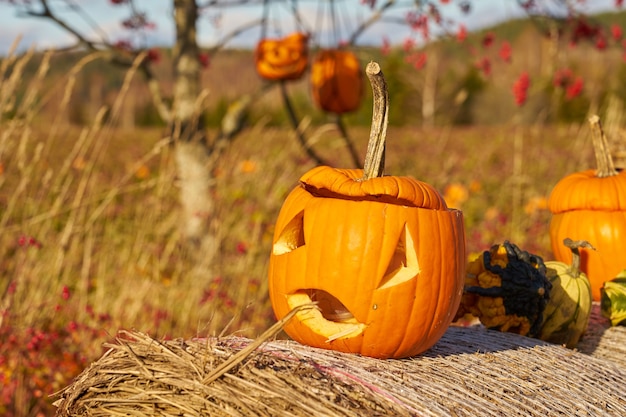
<point>89,239</point>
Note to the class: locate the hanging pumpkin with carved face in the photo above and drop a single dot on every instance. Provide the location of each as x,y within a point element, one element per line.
<point>282,59</point>
<point>336,81</point>
<point>383,257</point>
<point>591,205</point>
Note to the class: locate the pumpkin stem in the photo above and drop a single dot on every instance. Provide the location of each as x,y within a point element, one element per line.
<point>375,157</point>
<point>604,160</point>
<point>575,246</point>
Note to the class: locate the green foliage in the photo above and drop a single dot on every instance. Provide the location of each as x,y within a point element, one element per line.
<point>472,84</point>
<point>213,117</point>
<point>395,70</point>
<point>572,110</point>
<point>148,116</point>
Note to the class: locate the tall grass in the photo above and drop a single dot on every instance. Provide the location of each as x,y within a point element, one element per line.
<point>90,241</point>
<point>89,221</point>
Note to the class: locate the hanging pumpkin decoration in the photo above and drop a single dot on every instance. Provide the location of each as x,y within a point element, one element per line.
<point>591,205</point>
<point>382,256</point>
<point>507,289</point>
<point>336,81</point>
<point>282,59</point>
<point>613,299</point>
<point>567,314</point>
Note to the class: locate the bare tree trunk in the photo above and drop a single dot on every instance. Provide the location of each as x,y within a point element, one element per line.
<point>192,151</point>
<point>429,92</point>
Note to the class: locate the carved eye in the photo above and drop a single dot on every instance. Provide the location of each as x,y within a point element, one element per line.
<point>403,265</point>
<point>291,237</point>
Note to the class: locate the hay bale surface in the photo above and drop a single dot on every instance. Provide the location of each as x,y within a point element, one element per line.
<point>470,372</point>
<point>603,341</point>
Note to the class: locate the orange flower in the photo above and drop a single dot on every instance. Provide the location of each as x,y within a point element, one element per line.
<point>492,213</point>
<point>475,186</point>
<point>455,194</point>
<point>248,166</point>
<point>79,164</point>
<point>142,172</point>
<point>535,204</point>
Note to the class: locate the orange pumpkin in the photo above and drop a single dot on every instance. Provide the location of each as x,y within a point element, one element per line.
<point>336,81</point>
<point>282,59</point>
<point>591,205</point>
<point>382,256</point>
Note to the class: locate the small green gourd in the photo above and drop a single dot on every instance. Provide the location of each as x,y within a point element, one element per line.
<point>613,299</point>
<point>567,313</point>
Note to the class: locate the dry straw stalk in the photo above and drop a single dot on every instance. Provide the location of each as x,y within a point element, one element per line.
<point>470,372</point>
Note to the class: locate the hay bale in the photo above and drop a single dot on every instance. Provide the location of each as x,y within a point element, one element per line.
<point>470,372</point>
<point>603,341</point>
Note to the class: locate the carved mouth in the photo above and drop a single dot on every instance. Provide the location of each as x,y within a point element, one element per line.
<point>331,319</point>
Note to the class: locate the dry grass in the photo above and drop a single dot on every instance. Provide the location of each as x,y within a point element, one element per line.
<point>101,205</point>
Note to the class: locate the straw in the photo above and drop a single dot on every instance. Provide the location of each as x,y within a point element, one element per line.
<point>471,371</point>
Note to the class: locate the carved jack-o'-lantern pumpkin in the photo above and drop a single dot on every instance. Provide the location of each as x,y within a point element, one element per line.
<point>336,81</point>
<point>282,59</point>
<point>383,257</point>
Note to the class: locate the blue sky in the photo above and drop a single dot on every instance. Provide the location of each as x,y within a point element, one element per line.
<point>41,33</point>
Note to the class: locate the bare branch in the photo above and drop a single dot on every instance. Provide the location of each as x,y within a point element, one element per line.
<point>114,57</point>
<point>291,113</point>
<point>347,141</point>
<point>369,22</point>
<point>236,32</point>
<point>47,13</point>
<point>229,3</point>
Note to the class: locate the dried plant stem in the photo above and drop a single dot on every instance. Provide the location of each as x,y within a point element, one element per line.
<point>11,80</point>
<point>518,185</point>
<point>245,352</point>
<point>114,191</point>
<point>10,57</point>
<point>375,157</point>
<point>575,246</point>
<point>604,161</point>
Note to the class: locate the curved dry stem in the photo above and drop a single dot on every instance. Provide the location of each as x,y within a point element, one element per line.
<point>574,246</point>
<point>375,157</point>
<point>604,161</point>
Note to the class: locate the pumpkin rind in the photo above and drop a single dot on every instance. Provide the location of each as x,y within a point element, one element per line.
<point>282,59</point>
<point>346,183</point>
<point>388,251</point>
<point>336,81</point>
<point>591,205</point>
<point>585,191</point>
<point>585,207</point>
